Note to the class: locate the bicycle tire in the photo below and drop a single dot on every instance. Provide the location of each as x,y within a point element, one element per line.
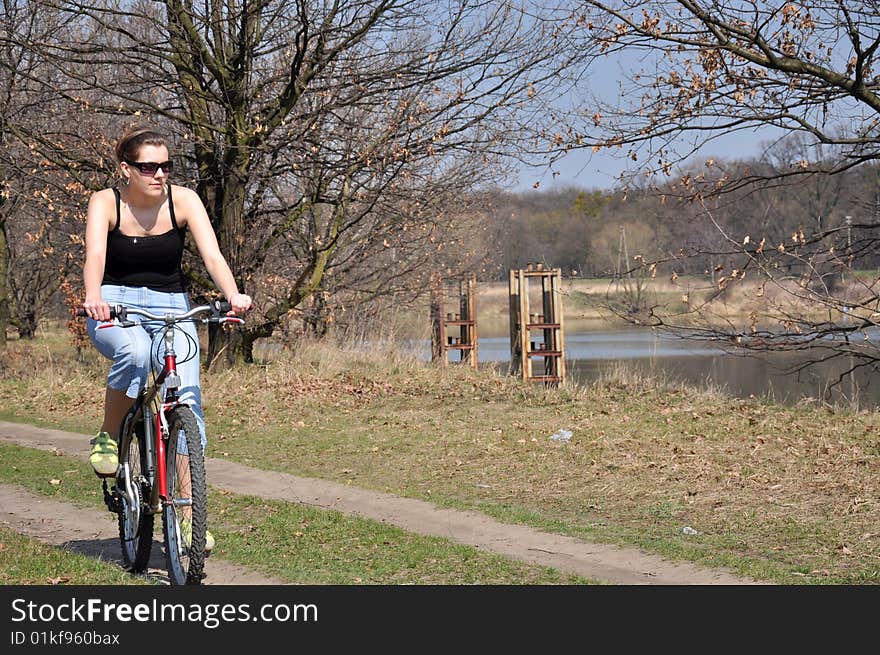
<point>134,519</point>
<point>185,563</point>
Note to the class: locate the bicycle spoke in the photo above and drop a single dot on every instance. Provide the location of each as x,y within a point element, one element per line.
<point>185,512</point>
<point>133,489</point>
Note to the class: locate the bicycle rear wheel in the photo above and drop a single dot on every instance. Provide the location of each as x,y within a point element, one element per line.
<point>187,500</point>
<point>133,489</point>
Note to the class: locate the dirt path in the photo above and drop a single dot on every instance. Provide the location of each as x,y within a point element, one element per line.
<point>94,533</point>
<point>595,561</point>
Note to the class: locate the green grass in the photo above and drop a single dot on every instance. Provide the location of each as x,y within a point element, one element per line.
<point>786,494</point>
<point>311,546</point>
<point>468,453</point>
<point>295,543</point>
<point>26,561</point>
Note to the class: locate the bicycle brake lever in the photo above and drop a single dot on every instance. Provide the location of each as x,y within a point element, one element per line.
<point>117,323</point>
<point>224,319</point>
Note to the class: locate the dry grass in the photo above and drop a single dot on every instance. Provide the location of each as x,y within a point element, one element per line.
<point>685,300</point>
<point>783,493</point>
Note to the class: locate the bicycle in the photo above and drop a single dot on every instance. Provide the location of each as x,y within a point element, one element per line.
<point>152,477</point>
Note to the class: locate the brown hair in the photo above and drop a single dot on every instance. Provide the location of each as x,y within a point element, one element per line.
<point>133,138</point>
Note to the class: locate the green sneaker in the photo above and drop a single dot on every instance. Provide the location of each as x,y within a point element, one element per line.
<point>104,457</point>
<point>186,532</point>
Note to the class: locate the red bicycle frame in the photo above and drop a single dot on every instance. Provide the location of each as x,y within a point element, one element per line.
<point>169,372</point>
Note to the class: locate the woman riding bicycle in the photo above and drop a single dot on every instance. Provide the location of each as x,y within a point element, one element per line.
<point>135,236</point>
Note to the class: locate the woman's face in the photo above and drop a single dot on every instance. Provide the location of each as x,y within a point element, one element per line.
<point>148,183</point>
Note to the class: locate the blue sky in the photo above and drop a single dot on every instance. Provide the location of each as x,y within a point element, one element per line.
<point>609,78</point>
<point>601,170</point>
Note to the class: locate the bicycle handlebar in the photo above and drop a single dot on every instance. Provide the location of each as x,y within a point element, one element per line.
<point>218,309</point>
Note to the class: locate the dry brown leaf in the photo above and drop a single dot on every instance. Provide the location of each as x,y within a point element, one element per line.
<point>55,482</point>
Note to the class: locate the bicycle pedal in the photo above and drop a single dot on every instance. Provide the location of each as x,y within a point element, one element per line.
<point>111,500</point>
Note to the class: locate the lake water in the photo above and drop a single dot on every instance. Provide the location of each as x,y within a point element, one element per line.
<point>590,353</point>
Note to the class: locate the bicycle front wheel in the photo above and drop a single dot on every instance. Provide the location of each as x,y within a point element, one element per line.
<point>185,515</point>
<point>133,489</point>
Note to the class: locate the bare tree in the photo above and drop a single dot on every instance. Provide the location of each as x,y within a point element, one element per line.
<point>700,69</point>
<point>12,169</point>
<point>40,196</point>
<point>309,127</point>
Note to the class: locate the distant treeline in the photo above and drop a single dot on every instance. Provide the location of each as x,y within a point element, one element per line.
<point>588,232</point>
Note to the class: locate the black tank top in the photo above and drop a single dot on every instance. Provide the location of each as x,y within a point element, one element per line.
<point>152,261</point>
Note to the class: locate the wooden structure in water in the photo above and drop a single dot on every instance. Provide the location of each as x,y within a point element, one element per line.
<point>454,319</point>
<point>537,344</point>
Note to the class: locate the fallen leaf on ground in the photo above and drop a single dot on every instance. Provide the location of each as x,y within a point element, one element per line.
<point>55,482</point>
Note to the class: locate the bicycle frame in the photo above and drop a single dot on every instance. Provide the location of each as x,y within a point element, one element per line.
<point>155,436</point>
<point>155,427</point>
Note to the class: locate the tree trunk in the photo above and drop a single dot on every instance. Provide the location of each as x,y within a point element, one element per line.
<point>224,348</point>
<point>247,346</point>
<point>27,326</point>
<point>229,221</point>
<point>5,311</point>
<point>315,319</point>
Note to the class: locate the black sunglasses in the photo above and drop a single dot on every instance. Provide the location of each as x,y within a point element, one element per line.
<point>150,167</point>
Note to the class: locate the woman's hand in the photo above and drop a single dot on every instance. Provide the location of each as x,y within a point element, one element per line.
<point>241,303</point>
<point>97,309</point>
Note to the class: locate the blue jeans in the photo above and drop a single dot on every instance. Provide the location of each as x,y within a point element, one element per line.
<point>131,349</point>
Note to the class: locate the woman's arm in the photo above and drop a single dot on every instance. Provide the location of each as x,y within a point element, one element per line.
<point>97,227</point>
<point>206,241</point>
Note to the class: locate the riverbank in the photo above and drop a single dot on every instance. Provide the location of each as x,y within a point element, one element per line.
<point>599,304</point>
<point>592,299</point>
<point>783,494</point>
